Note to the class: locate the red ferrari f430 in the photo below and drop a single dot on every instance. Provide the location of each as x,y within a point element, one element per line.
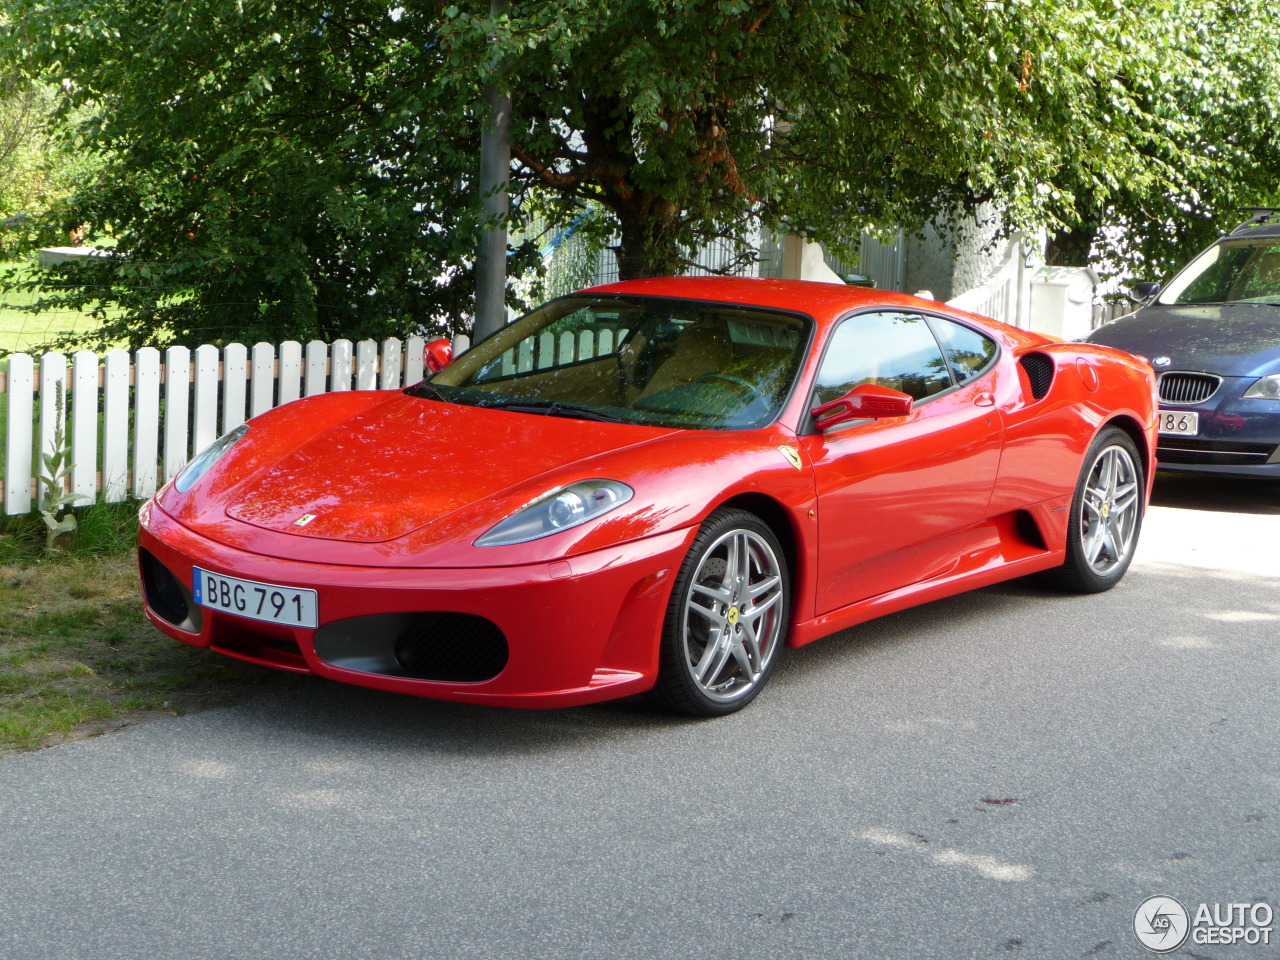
<point>653,486</point>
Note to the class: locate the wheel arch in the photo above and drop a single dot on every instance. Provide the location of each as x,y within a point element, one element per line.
<point>780,521</point>
<point>1134,429</point>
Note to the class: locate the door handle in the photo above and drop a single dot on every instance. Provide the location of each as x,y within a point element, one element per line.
<point>984,400</point>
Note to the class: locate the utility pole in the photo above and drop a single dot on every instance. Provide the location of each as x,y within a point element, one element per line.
<point>495,169</point>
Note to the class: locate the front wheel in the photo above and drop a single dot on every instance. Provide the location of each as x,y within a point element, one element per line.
<point>726,619</point>
<point>1106,514</point>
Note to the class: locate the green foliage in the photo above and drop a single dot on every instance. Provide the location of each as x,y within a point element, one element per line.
<point>687,120</point>
<point>102,530</point>
<point>1215,84</point>
<point>272,169</point>
<point>55,470</point>
<point>24,110</point>
<point>306,168</point>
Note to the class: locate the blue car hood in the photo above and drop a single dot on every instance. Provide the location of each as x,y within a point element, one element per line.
<point>1231,340</point>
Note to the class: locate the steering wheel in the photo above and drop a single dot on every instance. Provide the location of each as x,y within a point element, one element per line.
<point>749,390</point>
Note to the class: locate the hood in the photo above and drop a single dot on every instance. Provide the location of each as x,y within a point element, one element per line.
<point>1231,340</point>
<point>403,464</point>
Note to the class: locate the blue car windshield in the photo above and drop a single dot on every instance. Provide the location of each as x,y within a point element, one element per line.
<point>1233,271</point>
<point>644,360</point>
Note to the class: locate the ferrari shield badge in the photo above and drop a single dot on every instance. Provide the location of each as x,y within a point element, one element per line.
<point>792,455</point>
<point>303,520</point>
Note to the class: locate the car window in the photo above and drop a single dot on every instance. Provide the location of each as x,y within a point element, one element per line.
<point>968,351</point>
<point>578,336</point>
<point>1230,271</point>
<point>895,350</point>
<point>646,360</point>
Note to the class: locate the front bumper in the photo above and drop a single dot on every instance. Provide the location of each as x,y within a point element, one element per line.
<point>1237,437</point>
<point>577,631</point>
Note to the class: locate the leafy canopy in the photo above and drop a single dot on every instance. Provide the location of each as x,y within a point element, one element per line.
<point>689,118</point>
<point>306,168</point>
<point>272,168</point>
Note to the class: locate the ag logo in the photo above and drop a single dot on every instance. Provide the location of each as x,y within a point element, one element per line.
<point>1161,924</point>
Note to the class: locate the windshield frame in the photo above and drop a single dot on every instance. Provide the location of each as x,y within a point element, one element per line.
<point>445,392</point>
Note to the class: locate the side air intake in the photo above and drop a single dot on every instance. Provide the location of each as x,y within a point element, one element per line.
<point>1039,370</point>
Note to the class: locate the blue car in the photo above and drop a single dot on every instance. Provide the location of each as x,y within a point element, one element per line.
<point>1213,336</point>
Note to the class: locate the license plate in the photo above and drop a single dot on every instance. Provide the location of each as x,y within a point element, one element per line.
<point>1179,422</point>
<point>257,601</point>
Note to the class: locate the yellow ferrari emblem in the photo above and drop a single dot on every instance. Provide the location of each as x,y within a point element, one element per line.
<point>303,520</point>
<point>793,456</point>
<point>733,616</point>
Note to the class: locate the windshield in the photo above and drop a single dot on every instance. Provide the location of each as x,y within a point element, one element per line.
<point>1233,271</point>
<point>644,360</point>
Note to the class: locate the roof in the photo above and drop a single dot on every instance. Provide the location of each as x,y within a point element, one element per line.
<point>1262,222</point>
<point>806,295</point>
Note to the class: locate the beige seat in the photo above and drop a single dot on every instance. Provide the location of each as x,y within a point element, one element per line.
<point>702,349</point>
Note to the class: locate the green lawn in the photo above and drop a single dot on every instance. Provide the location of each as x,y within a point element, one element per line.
<point>21,331</point>
<point>78,657</point>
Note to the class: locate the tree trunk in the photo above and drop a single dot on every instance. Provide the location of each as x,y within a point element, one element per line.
<point>1070,248</point>
<point>647,247</point>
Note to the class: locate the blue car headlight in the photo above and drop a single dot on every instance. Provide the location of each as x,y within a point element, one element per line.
<point>210,455</point>
<point>1267,388</point>
<point>558,510</point>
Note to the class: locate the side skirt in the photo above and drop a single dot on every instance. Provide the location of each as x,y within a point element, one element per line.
<point>1010,557</point>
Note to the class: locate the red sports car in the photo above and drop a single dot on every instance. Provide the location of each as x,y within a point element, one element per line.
<point>653,486</point>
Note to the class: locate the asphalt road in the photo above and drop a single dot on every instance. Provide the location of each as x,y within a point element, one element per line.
<point>1004,774</point>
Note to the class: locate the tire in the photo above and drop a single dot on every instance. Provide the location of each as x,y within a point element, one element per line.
<point>727,617</point>
<point>1106,514</point>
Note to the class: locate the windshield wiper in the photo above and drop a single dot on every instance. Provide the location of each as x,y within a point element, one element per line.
<point>553,408</point>
<point>430,391</point>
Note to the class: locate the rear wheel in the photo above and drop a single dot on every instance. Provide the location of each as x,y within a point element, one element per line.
<point>1106,514</point>
<point>726,619</point>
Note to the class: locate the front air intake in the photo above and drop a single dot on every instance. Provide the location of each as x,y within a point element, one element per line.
<point>164,595</point>
<point>1039,371</point>
<point>451,647</point>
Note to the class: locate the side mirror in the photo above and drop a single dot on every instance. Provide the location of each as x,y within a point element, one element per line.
<point>437,354</point>
<point>866,402</point>
<point>1144,291</point>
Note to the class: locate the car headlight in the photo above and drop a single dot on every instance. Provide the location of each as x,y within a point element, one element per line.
<point>1268,388</point>
<point>558,510</point>
<point>210,455</point>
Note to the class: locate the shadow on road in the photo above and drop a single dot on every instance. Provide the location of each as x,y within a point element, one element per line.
<point>1221,494</point>
<point>321,710</point>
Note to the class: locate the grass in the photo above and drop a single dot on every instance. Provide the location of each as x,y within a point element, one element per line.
<point>20,330</point>
<point>105,529</point>
<point>77,656</point>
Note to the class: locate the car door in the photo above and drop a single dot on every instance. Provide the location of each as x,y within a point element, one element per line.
<point>896,495</point>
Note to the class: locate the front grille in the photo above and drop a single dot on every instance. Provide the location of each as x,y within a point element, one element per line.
<point>163,593</point>
<point>1039,369</point>
<point>451,647</point>
<point>1185,388</point>
<point>1212,452</point>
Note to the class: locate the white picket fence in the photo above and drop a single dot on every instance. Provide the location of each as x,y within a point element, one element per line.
<point>1004,296</point>
<point>133,421</point>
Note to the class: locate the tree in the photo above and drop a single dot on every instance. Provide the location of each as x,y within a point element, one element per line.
<point>307,168</point>
<point>274,169</point>
<point>24,110</point>
<point>687,119</point>
<point>1219,99</point>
